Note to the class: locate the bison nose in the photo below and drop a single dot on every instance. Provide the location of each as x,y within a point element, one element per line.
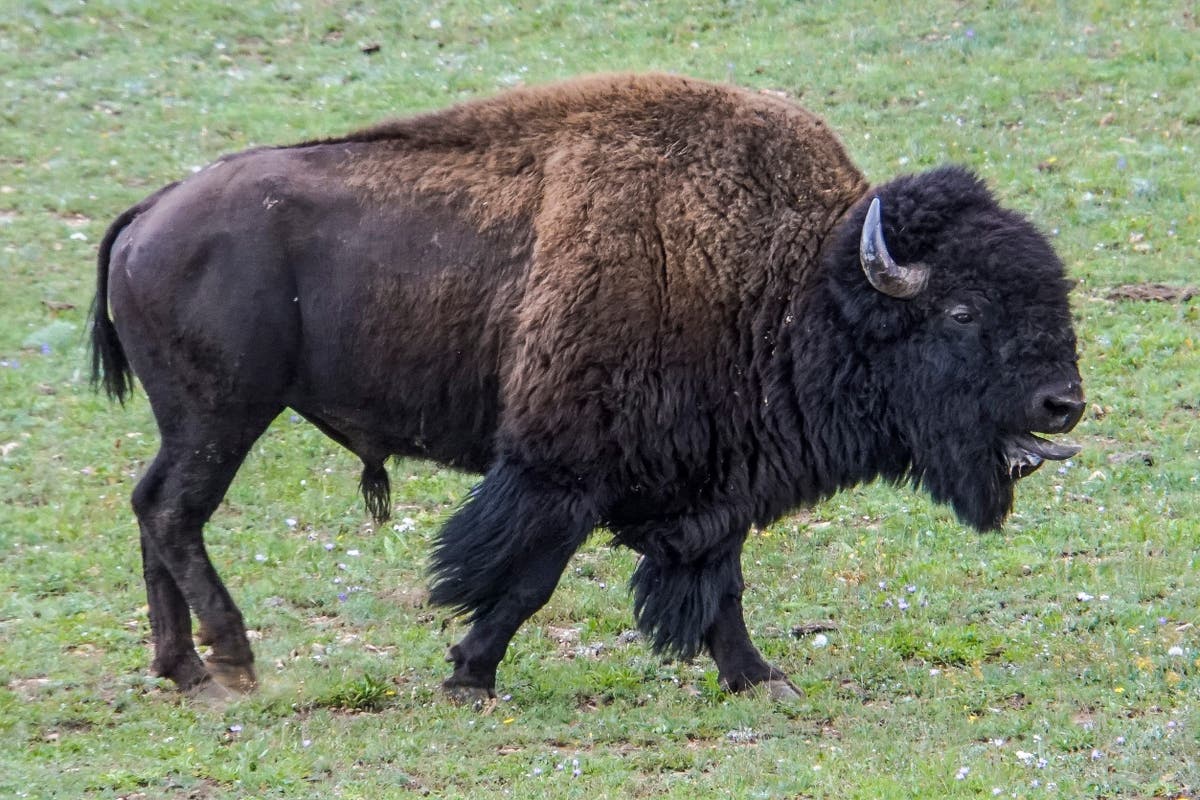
<point>1056,408</point>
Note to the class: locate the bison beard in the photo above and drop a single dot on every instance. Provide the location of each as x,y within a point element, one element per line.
<point>665,307</point>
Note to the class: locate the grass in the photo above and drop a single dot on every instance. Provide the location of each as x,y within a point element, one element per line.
<point>1058,658</point>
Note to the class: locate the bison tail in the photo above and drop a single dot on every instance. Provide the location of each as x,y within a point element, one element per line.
<point>510,540</point>
<point>675,604</point>
<point>110,365</point>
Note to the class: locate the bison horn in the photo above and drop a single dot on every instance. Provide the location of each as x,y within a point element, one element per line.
<point>894,280</point>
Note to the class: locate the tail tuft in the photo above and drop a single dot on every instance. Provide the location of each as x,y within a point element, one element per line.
<point>376,491</point>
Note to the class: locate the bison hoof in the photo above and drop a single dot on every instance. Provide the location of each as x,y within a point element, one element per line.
<point>781,690</point>
<point>236,678</point>
<point>475,696</point>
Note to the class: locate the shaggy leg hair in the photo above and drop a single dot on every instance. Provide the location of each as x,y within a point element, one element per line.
<point>500,558</point>
<point>514,518</point>
<point>676,604</point>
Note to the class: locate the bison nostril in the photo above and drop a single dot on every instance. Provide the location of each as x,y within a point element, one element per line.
<point>1057,410</point>
<point>1060,406</point>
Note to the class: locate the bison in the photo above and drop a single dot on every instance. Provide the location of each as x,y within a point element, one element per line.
<point>666,307</point>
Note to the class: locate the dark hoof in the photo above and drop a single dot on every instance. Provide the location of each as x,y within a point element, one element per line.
<point>475,696</point>
<point>234,677</point>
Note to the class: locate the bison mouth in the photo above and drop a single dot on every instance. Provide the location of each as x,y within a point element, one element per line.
<point>1024,453</point>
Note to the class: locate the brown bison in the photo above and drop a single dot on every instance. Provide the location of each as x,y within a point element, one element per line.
<point>666,307</point>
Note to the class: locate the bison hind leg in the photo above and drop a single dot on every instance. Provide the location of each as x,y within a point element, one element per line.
<point>376,490</point>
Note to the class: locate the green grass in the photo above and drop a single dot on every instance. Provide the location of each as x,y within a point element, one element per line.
<point>1056,659</point>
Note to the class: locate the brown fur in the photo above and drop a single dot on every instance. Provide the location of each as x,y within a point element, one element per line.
<point>647,196</point>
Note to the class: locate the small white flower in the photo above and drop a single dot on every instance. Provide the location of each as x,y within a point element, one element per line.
<point>260,557</point>
<point>353,553</point>
<point>1083,597</point>
<point>290,522</point>
<point>1175,652</point>
<point>820,640</point>
<point>435,24</point>
<point>962,773</point>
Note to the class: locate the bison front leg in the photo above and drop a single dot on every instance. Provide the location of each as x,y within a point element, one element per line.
<point>683,605</point>
<point>500,558</point>
<point>739,664</point>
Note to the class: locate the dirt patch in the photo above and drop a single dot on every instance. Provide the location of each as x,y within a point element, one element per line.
<point>1153,292</point>
<point>811,628</point>
<point>1132,457</point>
<point>414,597</point>
<point>74,219</point>
<point>1016,701</point>
<point>29,689</point>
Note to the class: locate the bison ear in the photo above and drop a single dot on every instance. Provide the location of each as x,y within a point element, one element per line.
<point>894,280</point>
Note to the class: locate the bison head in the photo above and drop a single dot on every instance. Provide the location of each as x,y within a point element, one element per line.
<point>959,309</point>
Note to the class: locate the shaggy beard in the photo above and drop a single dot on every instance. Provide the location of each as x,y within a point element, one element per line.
<point>976,486</point>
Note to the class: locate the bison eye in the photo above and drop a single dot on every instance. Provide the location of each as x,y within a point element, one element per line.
<point>962,315</point>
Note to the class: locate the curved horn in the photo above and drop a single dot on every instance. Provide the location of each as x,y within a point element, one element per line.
<point>894,280</point>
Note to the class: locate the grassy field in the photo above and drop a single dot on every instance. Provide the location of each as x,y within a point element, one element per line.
<point>1059,658</point>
